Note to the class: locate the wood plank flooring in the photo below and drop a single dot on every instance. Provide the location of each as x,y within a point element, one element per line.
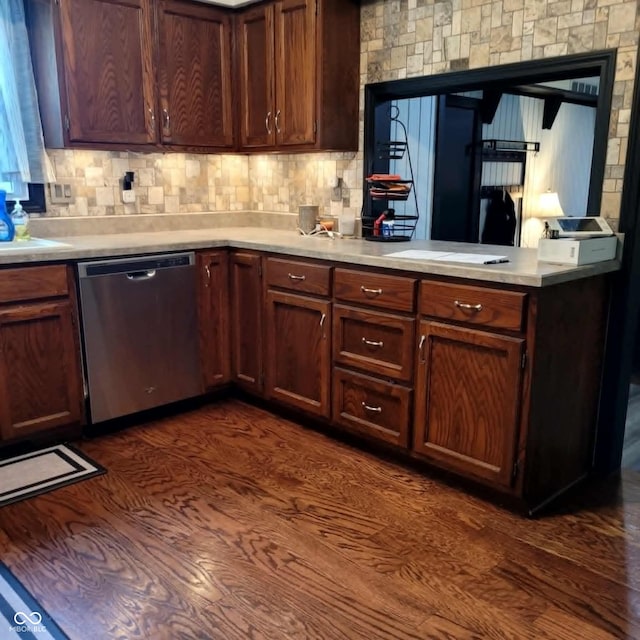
<point>230,523</point>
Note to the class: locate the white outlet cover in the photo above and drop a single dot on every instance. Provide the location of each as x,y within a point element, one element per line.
<point>129,196</point>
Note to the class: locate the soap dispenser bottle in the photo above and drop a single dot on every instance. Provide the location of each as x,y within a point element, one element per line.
<point>20,219</point>
<point>7,230</point>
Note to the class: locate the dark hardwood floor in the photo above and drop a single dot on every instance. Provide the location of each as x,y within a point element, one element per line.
<point>229,523</point>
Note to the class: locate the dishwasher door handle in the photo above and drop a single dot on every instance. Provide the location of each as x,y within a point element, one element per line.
<point>141,275</point>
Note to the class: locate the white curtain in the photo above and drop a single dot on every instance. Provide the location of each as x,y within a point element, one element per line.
<point>22,155</point>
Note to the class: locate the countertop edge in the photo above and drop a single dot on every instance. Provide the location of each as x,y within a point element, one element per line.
<point>348,251</point>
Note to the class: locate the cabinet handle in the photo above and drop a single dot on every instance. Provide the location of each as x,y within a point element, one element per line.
<point>266,123</point>
<point>294,277</point>
<point>372,409</point>
<point>421,347</point>
<point>167,119</point>
<point>371,343</point>
<point>277,121</point>
<point>153,119</point>
<point>470,307</point>
<point>207,270</point>
<point>322,319</point>
<point>375,292</point>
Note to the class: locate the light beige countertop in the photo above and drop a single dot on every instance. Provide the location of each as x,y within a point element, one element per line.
<point>523,267</point>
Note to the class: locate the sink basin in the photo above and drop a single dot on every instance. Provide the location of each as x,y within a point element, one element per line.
<point>34,243</point>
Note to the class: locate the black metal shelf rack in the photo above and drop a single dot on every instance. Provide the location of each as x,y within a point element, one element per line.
<point>390,191</point>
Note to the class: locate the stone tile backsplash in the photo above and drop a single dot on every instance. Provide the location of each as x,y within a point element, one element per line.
<point>164,183</point>
<point>192,183</point>
<point>400,39</point>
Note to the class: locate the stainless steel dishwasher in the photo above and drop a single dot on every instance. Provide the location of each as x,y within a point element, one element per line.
<point>140,333</point>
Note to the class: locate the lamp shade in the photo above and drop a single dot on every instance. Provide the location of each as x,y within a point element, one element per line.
<point>549,205</point>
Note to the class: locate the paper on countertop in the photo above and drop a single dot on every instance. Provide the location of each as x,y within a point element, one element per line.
<point>443,256</point>
<point>416,254</point>
<point>473,258</point>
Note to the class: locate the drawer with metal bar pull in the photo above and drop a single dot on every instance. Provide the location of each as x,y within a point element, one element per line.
<point>494,308</point>
<point>365,405</point>
<point>395,293</point>
<point>296,275</point>
<point>376,342</point>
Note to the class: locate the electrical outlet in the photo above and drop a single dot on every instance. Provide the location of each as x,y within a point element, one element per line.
<point>129,196</point>
<point>336,192</point>
<point>60,193</point>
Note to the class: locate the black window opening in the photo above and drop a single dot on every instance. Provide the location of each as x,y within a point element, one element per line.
<point>36,202</point>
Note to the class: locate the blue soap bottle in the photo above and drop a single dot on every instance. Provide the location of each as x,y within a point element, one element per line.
<point>7,230</point>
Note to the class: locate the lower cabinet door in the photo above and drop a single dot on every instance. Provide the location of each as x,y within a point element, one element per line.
<point>213,317</point>
<point>468,390</point>
<point>299,351</point>
<point>372,407</point>
<point>245,316</point>
<point>40,382</point>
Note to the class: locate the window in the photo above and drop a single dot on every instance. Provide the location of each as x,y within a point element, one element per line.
<point>23,159</point>
<point>34,202</point>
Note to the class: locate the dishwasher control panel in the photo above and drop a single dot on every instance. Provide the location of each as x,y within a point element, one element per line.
<point>146,263</point>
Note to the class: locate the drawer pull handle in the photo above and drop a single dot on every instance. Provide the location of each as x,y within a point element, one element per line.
<point>371,343</point>
<point>372,409</point>
<point>375,292</point>
<point>469,307</point>
<point>294,277</point>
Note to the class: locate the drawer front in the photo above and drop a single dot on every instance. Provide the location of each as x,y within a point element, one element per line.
<point>477,305</point>
<point>294,275</point>
<point>372,407</point>
<point>31,283</point>
<point>387,292</point>
<point>380,343</point>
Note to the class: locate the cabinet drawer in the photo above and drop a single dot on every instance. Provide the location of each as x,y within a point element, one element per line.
<point>477,305</point>
<point>294,275</point>
<point>31,283</point>
<point>387,292</point>
<point>373,407</point>
<point>380,343</point>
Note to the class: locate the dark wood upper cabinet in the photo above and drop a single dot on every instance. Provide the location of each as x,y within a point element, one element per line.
<point>107,59</point>
<point>194,75</point>
<point>299,74</point>
<point>295,116</point>
<point>255,46</point>
<point>182,75</point>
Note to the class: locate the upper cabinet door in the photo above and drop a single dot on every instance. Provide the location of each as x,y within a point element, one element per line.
<point>195,75</point>
<point>295,31</point>
<point>255,51</point>
<point>107,61</point>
